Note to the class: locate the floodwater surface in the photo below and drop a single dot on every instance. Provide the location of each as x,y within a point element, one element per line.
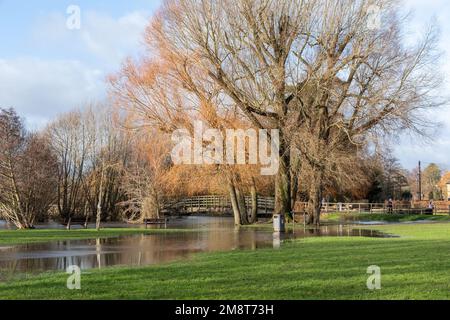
<point>206,234</point>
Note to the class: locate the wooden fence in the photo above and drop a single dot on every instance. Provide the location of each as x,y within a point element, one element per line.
<point>440,206</point>
<point>403,207</point>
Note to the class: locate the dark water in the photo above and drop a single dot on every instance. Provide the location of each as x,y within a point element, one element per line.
<point>209,235</point>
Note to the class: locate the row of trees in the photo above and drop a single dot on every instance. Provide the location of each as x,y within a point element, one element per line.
<point>89,164</point>
<point>92,164</point>
<point>332,84</point>
<point>82,165</point>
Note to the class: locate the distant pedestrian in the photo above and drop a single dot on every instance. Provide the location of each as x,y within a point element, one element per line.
<point>390,206</point>
<point>430,207</point>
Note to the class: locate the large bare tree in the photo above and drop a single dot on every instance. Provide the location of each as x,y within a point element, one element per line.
<point>326,73</point>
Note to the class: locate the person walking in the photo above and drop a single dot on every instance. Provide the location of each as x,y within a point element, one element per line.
<point>390,206</point>
<point>431,207</point>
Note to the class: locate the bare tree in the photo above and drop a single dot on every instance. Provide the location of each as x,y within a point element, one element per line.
<point>38,176</point>
<point>146,176</point>
<point>244,48</point>
<point>313,68</point>
<point>170,96</point>
<point>360,84</point>
<point>109,156</point>
<point>27,175</point>
<point>12,133</point>
<point>70,140</point>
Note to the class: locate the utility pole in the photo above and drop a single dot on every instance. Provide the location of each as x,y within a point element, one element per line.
<point>420,181</point>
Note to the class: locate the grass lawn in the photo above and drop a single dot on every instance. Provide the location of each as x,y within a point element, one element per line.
<point>414,266</point>
<point>349,217</point>
<point>11,237</point>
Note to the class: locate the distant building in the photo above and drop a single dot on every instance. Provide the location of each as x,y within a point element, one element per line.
<point>448,190</point>
<point>444,185</point>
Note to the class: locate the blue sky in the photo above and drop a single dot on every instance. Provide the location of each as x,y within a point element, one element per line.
<point>47,69</point>
<point>22,19</point>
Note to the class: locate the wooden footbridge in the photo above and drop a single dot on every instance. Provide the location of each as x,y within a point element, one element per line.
<point>215,205</point>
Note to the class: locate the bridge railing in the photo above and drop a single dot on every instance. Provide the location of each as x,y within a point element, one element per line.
<point>266,205</point>
<point>215,203</point>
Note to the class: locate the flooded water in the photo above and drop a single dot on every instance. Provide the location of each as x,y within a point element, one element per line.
<point>207,235</point>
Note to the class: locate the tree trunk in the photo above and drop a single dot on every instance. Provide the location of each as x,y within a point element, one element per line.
<point>242,206</point>
<point>315,197</point>
<point>234,203</point>
<point>86,215</point>
<point>99,204</point>
<point>156,206</point>
<point>283,184</point>
<point>294,188</point>
<point>254,196</point>
<point>295,181</point>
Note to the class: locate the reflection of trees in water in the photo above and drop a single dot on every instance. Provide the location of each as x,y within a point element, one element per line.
<point>136,250</point>
<point>152,249</point>
<point>337,231</point>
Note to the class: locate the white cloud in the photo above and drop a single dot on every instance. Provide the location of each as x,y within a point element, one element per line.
<point>101,38</point>
<point>436,152</point>
<point>40,89</point>
<point>63,78</point>
<point>111,38</point>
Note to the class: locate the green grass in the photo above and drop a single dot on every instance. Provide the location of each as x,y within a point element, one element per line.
<point>13,237</point>
<point>349,217</point>
<point>414,266</point>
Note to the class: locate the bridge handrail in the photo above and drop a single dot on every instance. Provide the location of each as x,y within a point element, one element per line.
<point>216,201</point>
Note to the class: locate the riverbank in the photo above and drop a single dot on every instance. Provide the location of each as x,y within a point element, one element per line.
<point>382,217</point>
<point>16,237</point>
<point>341,218</point>
<point>413,266</point>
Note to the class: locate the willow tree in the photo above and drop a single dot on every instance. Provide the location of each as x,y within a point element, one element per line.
<point>245,48</point>
<point>147,176</point>
<point>168,91</point>
<point>328,74</point>
<point>170,95</point>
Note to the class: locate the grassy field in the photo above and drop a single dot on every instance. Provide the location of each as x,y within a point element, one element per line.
<point>414,266</point>
<point>11,237</point>
<point>349,217</point>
